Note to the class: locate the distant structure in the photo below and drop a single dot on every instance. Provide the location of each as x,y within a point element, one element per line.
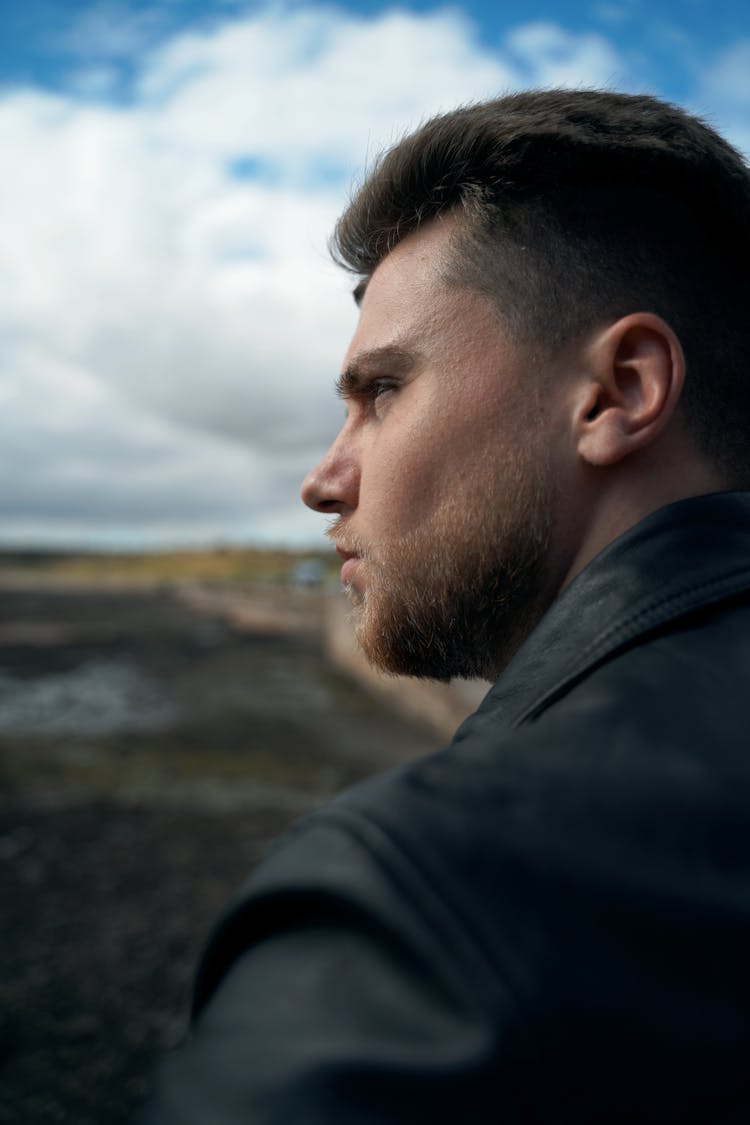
<point>308,573</point>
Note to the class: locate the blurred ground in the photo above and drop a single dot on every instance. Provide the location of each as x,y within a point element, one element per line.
<point>148,754</point>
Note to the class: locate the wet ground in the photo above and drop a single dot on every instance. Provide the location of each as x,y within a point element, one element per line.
<point>148,754</point>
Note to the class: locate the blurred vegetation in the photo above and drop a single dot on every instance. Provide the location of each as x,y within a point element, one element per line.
<point>220,566</point>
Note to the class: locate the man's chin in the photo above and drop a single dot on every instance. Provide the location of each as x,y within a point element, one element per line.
<point>390,642</point>
<point>356,594</point>
<point>426,636</point>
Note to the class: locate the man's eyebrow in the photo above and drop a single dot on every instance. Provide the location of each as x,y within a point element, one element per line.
<point>388,360</point>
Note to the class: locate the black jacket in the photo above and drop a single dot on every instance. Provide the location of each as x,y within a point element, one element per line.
<point>547,922</point>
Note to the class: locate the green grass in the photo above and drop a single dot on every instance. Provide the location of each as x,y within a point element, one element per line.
<point>225,566</point>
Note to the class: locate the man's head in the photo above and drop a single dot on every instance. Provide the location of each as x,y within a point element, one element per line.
<point>540,275</point>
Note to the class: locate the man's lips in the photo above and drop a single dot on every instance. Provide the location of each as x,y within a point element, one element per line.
<point>351,562</point>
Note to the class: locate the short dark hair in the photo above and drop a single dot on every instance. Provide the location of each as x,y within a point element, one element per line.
<point>578,207</point>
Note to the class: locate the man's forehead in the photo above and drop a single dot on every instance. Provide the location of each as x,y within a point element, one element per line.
<point>423,250</point>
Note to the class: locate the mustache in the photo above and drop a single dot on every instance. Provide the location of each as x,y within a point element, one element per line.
<point>344,538</point>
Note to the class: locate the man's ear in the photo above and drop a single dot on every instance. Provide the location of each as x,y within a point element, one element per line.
<point>635,372</point>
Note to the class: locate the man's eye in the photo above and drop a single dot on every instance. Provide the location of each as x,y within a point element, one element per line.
<point>379,387</point>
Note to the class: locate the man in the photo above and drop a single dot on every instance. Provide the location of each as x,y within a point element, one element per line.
<point>538,481</point>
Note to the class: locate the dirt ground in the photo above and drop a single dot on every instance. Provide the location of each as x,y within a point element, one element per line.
<point>148,754</point>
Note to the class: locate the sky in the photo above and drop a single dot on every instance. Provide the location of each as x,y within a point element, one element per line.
<point>171,326</point>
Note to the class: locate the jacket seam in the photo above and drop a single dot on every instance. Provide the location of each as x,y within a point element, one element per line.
<point>642,623</point>
<point>359,826</point>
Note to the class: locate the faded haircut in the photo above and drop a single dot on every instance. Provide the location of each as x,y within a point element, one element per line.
<point>577,208</point>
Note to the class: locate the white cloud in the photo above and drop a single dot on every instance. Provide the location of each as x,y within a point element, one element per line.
<point>728,81</point>
<point>110,30</point>
<point>75,454</point>
<point>295,88</point>
<point>724,91</point>
<point>170,332</point>
<point>552,56</point>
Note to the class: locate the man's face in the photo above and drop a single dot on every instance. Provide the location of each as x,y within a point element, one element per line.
<point>442,477</point>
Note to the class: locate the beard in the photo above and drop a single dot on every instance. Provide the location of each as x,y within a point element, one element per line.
<point>459,594</point>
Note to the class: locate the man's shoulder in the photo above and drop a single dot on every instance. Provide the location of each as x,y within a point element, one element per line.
<point>464,849</point>
<point>649,725</point>
<point>644,757</point>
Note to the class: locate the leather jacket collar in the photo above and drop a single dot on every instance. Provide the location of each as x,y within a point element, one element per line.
<point>685,557</point>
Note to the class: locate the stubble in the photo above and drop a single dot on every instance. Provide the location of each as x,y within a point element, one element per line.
<point>459,594</point>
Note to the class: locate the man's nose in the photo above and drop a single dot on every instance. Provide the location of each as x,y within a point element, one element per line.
<point>333,485</point>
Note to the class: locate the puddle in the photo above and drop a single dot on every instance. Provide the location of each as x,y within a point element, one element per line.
<point>98,697</point>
